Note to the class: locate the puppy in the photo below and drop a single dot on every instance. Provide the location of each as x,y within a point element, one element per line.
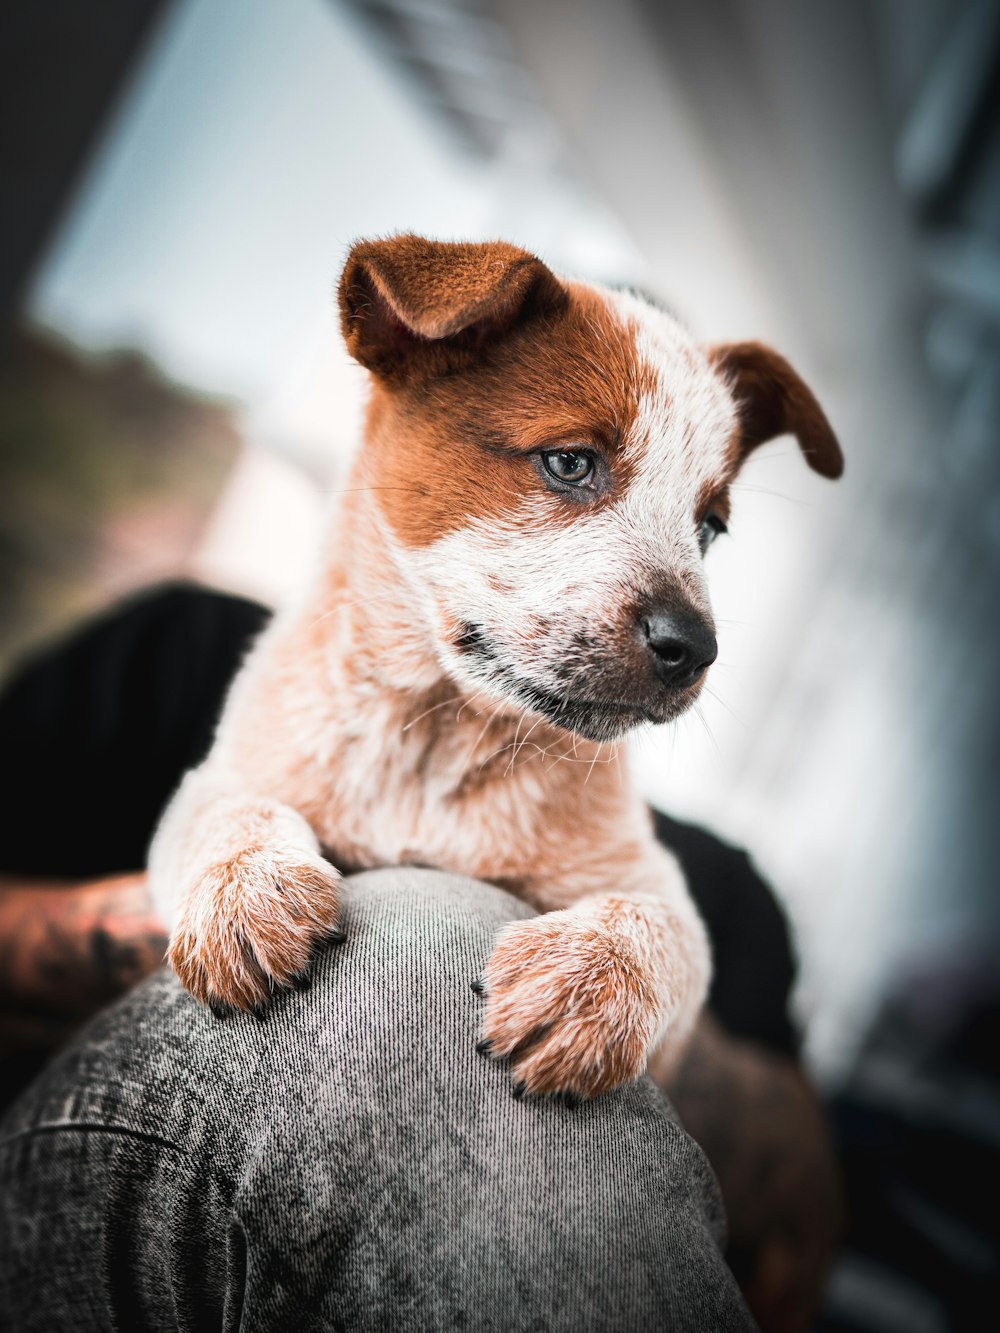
<point>513,581</point>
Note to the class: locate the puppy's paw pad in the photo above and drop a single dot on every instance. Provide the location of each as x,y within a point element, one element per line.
<point>250,926</point>
<point>569,1005</point>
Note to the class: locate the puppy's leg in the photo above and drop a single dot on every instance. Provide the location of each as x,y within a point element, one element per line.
<point>579,998</point>
<point>244,889</point>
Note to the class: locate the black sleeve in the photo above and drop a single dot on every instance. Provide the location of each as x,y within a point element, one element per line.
<point>751,945</point>
<point>97,732</point>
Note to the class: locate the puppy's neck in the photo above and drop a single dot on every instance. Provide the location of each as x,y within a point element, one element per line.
<point>379,631</point>
<point>380,657</point>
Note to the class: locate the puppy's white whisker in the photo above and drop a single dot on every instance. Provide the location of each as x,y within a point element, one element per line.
<point>513,744</point>
<point>714,694</point>
<point>342,606</point>
<point>360,490</point>
<point>433,709</point>
<point>696,711</point>
<point>537,722</point>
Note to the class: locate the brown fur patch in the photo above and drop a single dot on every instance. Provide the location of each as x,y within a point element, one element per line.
<point>713,498</point>
<point>774,400</point>
<point>445,449</point>
<point>409,305</point>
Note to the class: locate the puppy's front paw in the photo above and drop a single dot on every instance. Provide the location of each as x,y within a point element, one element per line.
<point>249,925</point>
<point>570,1003</point>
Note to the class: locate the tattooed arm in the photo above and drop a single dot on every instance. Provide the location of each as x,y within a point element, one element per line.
<point>66,949</point>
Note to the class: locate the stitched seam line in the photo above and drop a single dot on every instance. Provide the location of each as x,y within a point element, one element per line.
<point>78,1126</point>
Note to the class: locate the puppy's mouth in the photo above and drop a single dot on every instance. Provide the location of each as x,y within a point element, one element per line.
<point>596,719</point>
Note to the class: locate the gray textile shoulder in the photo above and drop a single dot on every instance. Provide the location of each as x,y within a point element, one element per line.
<point>349,1162</point>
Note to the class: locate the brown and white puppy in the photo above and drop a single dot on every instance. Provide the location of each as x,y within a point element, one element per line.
<point>514,580</point>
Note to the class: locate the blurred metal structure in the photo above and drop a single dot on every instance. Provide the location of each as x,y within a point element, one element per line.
<point>459,58</point>
<point>61,67</point>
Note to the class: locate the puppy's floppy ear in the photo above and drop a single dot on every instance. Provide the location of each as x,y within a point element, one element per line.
<point>773,400</point>
<point>407,299</point>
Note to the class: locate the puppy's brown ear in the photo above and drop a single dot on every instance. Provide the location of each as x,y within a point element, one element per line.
<point>773,400</point>
<point>406,299</point>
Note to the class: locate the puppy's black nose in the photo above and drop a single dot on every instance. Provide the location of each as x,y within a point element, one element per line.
<point>682,644</point>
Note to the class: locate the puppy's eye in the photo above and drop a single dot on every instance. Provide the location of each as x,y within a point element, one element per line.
<point>570,466</point>
<point>709,528</point>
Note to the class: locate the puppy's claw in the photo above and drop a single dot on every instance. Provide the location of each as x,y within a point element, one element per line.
<point>220,1010</point>
<point>336,936</point>
<point>301,981</point>
<point>571,1100</point>
<point>557,1027</point>
<point>243,948</point>
<point>519,1090</point>
<point>479,987</point>
<point>484,1047</point>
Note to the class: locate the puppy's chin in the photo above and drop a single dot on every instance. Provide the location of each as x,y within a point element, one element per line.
<point>593,719</point>
<point>477,665</point>
<point>609,719</point>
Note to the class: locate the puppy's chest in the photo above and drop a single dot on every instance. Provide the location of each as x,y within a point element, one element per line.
<point>435,798</point>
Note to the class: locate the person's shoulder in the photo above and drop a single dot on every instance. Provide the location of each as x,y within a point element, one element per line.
<point>751,940</point>
<point>702,853</point>
<point>179,609</point>
<point>729,889</point>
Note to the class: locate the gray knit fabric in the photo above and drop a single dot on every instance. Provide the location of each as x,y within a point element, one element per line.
<point>348,1162</point>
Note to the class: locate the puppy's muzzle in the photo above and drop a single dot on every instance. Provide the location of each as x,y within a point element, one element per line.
<point>682,645</point>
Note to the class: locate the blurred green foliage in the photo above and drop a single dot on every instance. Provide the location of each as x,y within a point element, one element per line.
<point>108,472</point>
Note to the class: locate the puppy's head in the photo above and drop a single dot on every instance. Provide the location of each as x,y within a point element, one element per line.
<point>551,461</point>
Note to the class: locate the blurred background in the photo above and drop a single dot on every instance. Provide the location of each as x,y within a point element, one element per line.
<point>182,179</point>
